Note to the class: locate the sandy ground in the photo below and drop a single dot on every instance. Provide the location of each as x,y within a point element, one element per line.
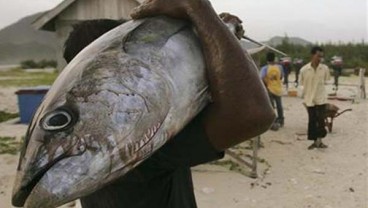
<point>289,175</point>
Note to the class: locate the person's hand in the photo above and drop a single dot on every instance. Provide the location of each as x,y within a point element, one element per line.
<point>173,8</point>
<point>235,21</point>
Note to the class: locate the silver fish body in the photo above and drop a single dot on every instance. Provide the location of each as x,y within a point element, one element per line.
<point>116,103</point>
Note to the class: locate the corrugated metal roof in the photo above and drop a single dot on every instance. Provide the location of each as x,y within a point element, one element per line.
<point>43,21</point>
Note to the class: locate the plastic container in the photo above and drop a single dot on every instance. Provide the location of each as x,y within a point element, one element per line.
<point>292,93</point>
<point>28,101</point>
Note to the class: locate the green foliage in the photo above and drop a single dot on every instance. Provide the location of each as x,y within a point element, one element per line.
<point>231,165</point>
<point>31,64</point>
<point>355,55</point>
<point>4,116</point>
<point>47,63</point>
<point>28,64</point>
<point>8,145</point>
<point>20,77</point>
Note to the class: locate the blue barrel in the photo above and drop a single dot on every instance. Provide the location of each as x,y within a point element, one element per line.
<point>28,101</point>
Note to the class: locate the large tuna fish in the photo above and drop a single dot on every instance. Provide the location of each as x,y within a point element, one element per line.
<point>117,102</point>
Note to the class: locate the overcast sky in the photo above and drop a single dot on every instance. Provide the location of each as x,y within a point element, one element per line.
<point>313,20</point>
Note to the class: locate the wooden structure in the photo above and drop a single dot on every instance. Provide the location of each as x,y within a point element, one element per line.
<point>253,164</point>
<point>361,88</point>
<point>69,12</point>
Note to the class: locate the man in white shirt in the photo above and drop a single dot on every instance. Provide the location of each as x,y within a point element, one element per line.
<point>313,77</point>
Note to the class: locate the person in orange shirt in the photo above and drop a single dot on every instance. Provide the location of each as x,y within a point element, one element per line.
<point>271,75</point>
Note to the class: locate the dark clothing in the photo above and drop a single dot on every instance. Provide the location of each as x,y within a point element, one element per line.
<point>316,122</point>
<point>164,180</point>
<point>287,70</point>
<point>280,112</point>
<point>297,68</point>
<point>337,73</point>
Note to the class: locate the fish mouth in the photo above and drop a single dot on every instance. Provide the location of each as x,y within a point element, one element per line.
<point>20,196</point>
<point>38,185</point>
<point>22,191</point>
<point>35,189</point>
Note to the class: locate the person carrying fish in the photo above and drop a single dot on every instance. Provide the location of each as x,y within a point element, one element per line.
<point>164,179</point>
<point>92,166</point>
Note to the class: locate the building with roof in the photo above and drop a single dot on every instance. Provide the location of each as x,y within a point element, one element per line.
<point>69,12</point>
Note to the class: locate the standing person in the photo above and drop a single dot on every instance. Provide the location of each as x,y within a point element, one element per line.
<point>271,75</point>
<point>313,77</point>
<point>286,65</point>
<point>336,63</point>
<point>298,63</point>
<point>239,110</point>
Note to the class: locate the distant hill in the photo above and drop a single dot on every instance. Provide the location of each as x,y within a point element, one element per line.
<point>277,40</point>
<point>19,42</point>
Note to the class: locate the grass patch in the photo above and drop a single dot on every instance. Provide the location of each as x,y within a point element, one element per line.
<point>8,145</point>
<point>21,78</point>
<point>4,116</point>
<point>225,163</point>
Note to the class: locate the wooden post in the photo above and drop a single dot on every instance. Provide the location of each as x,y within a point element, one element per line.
<point>252,165</point>
<point>256,142</point>
<point>362,92</point>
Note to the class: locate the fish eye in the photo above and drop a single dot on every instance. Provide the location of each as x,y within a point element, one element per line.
<point>57,120</point>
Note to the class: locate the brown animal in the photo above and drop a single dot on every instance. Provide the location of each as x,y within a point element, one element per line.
<point>331,113</point>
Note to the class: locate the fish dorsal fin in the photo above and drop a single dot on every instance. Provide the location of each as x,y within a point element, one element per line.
<point>152,34</point>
